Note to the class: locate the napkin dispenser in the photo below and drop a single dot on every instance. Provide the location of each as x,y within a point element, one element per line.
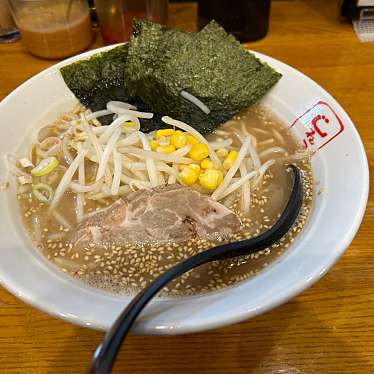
<point>361,13</point>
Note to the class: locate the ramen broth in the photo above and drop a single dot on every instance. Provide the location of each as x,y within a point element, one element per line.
<point>127,269</point>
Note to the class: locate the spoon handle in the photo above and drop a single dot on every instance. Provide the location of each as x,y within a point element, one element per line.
<point>106,352</point>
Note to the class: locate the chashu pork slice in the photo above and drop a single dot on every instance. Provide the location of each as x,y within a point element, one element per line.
<point>172,213</point>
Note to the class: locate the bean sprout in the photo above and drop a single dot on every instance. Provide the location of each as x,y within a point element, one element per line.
<point>231,172</point>
<point>106,154</point>
<point>118,106</point>
<point>194,100</point>
<point>278,136</point>
<point>193,132</point>
<point>157,156</point>
<point>114,125</point>
<point>254,157</point>
<point>152,173</point>
<point>99,113</point>
<point>66,179</point>
<point>238,184</point>
<point>117,172</point>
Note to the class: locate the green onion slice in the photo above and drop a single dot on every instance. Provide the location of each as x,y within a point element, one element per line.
<point>44,167</point>
<point>43,192</point>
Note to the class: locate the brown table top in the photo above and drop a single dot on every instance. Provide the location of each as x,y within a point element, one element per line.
<point>327,329</point>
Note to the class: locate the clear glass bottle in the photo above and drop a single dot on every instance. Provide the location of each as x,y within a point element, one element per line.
<point>8,29</point>
<point>116,16</point>
<point>53,28</point>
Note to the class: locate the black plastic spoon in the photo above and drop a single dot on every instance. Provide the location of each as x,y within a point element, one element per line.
<point>106,352</point>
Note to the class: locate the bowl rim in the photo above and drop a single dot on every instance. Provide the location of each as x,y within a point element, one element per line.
<point>227,318</point>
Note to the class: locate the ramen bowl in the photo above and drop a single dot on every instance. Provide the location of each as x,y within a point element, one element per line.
<point>341,179</point>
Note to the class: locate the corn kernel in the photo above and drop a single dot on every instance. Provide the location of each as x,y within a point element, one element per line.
<point>199,151</point>
<point>195,167</point>
<point>211,179</point>
<point>192,140</point>
<point>229,160</point>
<point>188,176</point>
<point>222,152</point>
<point>164,140</point>
<point>178,139</point>
<point>165,149</point>
<point>207,164</point>
<point>164,132</point>
<point>153,144</point>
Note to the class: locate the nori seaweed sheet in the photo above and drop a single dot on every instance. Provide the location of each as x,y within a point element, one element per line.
<point>214,66</point>
<point>158,63</point>
<point>150,47</point>
<point>211,65</point>
<point>99,79</point>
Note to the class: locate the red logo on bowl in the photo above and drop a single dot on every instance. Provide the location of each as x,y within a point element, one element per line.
<point>318,125</point>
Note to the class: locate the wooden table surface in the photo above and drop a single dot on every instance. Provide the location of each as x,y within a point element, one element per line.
<point>327,329</point>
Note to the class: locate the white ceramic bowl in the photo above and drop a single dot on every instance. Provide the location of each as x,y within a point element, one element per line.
<point>340,167</point>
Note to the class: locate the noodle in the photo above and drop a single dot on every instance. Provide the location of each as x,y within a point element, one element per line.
<point>61,219</point>
<point>278,136</point>
<point>223,144</point>
<point>266,142</point>
<point>48,149</point>
<point>67,155</point>
<point>272,150</point>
